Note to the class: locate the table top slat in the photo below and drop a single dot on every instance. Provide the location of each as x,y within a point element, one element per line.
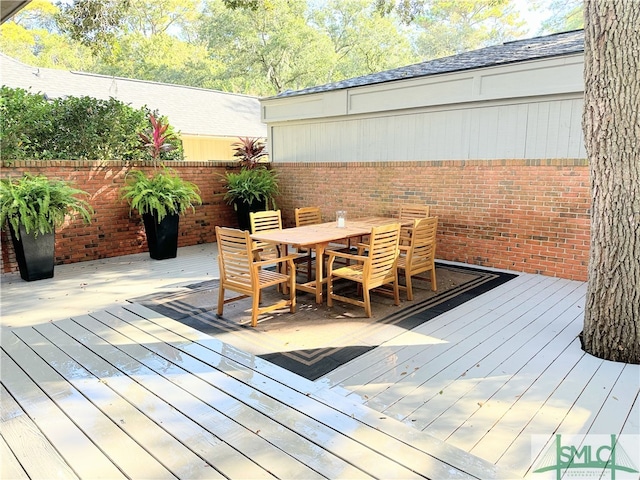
<point>309,235</point>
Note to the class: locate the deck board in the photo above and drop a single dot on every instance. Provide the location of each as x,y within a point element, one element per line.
<point>371,368</point>
<point>619,398</point>
<point>475,385</point>
<point>128,404</point>
<point>178,383</point>
<point>549,417</point>
<point>291,409</point>
<point>10,467</point>
<point>335,414</point>
<point>430,369</point>
<point>113,392</point>
<point>80,454</point>
<point>489,390</point>
<point>483,407</point>
<point>25,447</point>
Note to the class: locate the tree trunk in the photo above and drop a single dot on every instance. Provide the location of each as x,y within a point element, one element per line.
<point>611,124</point>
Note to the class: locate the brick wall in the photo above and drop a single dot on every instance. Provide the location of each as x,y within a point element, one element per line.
<point>524,215</point>
<point>113,232</point>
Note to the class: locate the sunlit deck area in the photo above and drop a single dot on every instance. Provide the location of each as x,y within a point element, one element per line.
<point>94,386</point>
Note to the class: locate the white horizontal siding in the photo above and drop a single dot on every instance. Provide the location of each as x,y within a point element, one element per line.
<point>544,128</point>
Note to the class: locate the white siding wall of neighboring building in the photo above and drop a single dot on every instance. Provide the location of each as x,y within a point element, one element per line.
<point>545,128</point>
<point>527,110</point>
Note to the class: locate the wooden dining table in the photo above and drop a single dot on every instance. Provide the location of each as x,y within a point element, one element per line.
<point>319,236</point>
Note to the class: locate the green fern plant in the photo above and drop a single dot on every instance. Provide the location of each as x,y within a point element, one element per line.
<point>249,185</point>
<point>40,204</point>
<point>162,194</point>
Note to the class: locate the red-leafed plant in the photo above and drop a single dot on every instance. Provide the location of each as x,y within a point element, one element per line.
<point>156,140</point>
<point>249,150</point>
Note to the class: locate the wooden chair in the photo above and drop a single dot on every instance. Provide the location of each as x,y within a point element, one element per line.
<point>370,271</point>
<point>261,221</point>
<point>313,216</point>
<point>419,256</point>
<point>411,212</point>
<point>242,272</point>
<point>307,216</point>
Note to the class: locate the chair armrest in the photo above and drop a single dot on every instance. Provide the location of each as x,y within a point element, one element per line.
<point>404,248</point>
<point>333,254</point>
<point>276,260</point>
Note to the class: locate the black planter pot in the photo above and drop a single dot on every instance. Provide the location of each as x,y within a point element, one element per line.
<point>243,209</point>
<point>35,254</point>
<point>162,237</point>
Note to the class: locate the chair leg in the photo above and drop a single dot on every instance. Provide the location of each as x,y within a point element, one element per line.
<point>396,291</point>
<point>367,302</point>
<point>292,292</point>
<point>434,284</point>
<point>255,305</point>
<point>220,300</point>
<point>407,277</point>
<point>329,291</point>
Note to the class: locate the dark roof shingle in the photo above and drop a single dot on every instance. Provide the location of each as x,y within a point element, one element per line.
<point>558,44</point>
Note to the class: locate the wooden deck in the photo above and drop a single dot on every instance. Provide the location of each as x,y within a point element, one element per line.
<point>124,392</point>
<point>495,372</point>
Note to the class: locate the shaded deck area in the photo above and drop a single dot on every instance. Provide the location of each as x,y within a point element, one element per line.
<point>93,386</point>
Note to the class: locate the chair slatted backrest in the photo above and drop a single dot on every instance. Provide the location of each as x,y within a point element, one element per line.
<point>423,242</point>
<point>262,221</point>
<point>266,220</point>
<point>307,216</point>
<point>409,212</point>
<point>383,254</point>
<point>234,255</point>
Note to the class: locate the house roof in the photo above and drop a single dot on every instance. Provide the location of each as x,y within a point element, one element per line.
<point>8,8</point>
<point>558,44</point>
<point>192,111</point>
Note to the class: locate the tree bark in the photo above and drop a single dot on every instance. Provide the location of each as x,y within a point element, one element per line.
<point>611,124</point>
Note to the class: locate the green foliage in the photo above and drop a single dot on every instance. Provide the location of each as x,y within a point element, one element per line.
<point>160,194</point>
<point>563,15</point>
<point>25,124</point>
<point>268,49</point>
<point>86,128</point>
<point>249,185</point>
<point>448,28</point>
<point>32,37</point>
<point>40,204</point>
<point>364,41</point>
<point>72,128</point>
<point>259,47</point>
<point>93,23</point>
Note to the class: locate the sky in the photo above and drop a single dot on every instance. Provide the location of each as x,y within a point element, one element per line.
<point>534,19</point>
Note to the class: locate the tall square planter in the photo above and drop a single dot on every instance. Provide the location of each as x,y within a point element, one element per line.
<point>35,254</point>
<point>162,238</point>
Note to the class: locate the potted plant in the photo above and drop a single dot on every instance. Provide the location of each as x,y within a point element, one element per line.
<point>34,206</point>
<point>254,187</point>
<point>162,197</point>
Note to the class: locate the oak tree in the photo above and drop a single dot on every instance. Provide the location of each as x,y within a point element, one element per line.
<point>611,122</point>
